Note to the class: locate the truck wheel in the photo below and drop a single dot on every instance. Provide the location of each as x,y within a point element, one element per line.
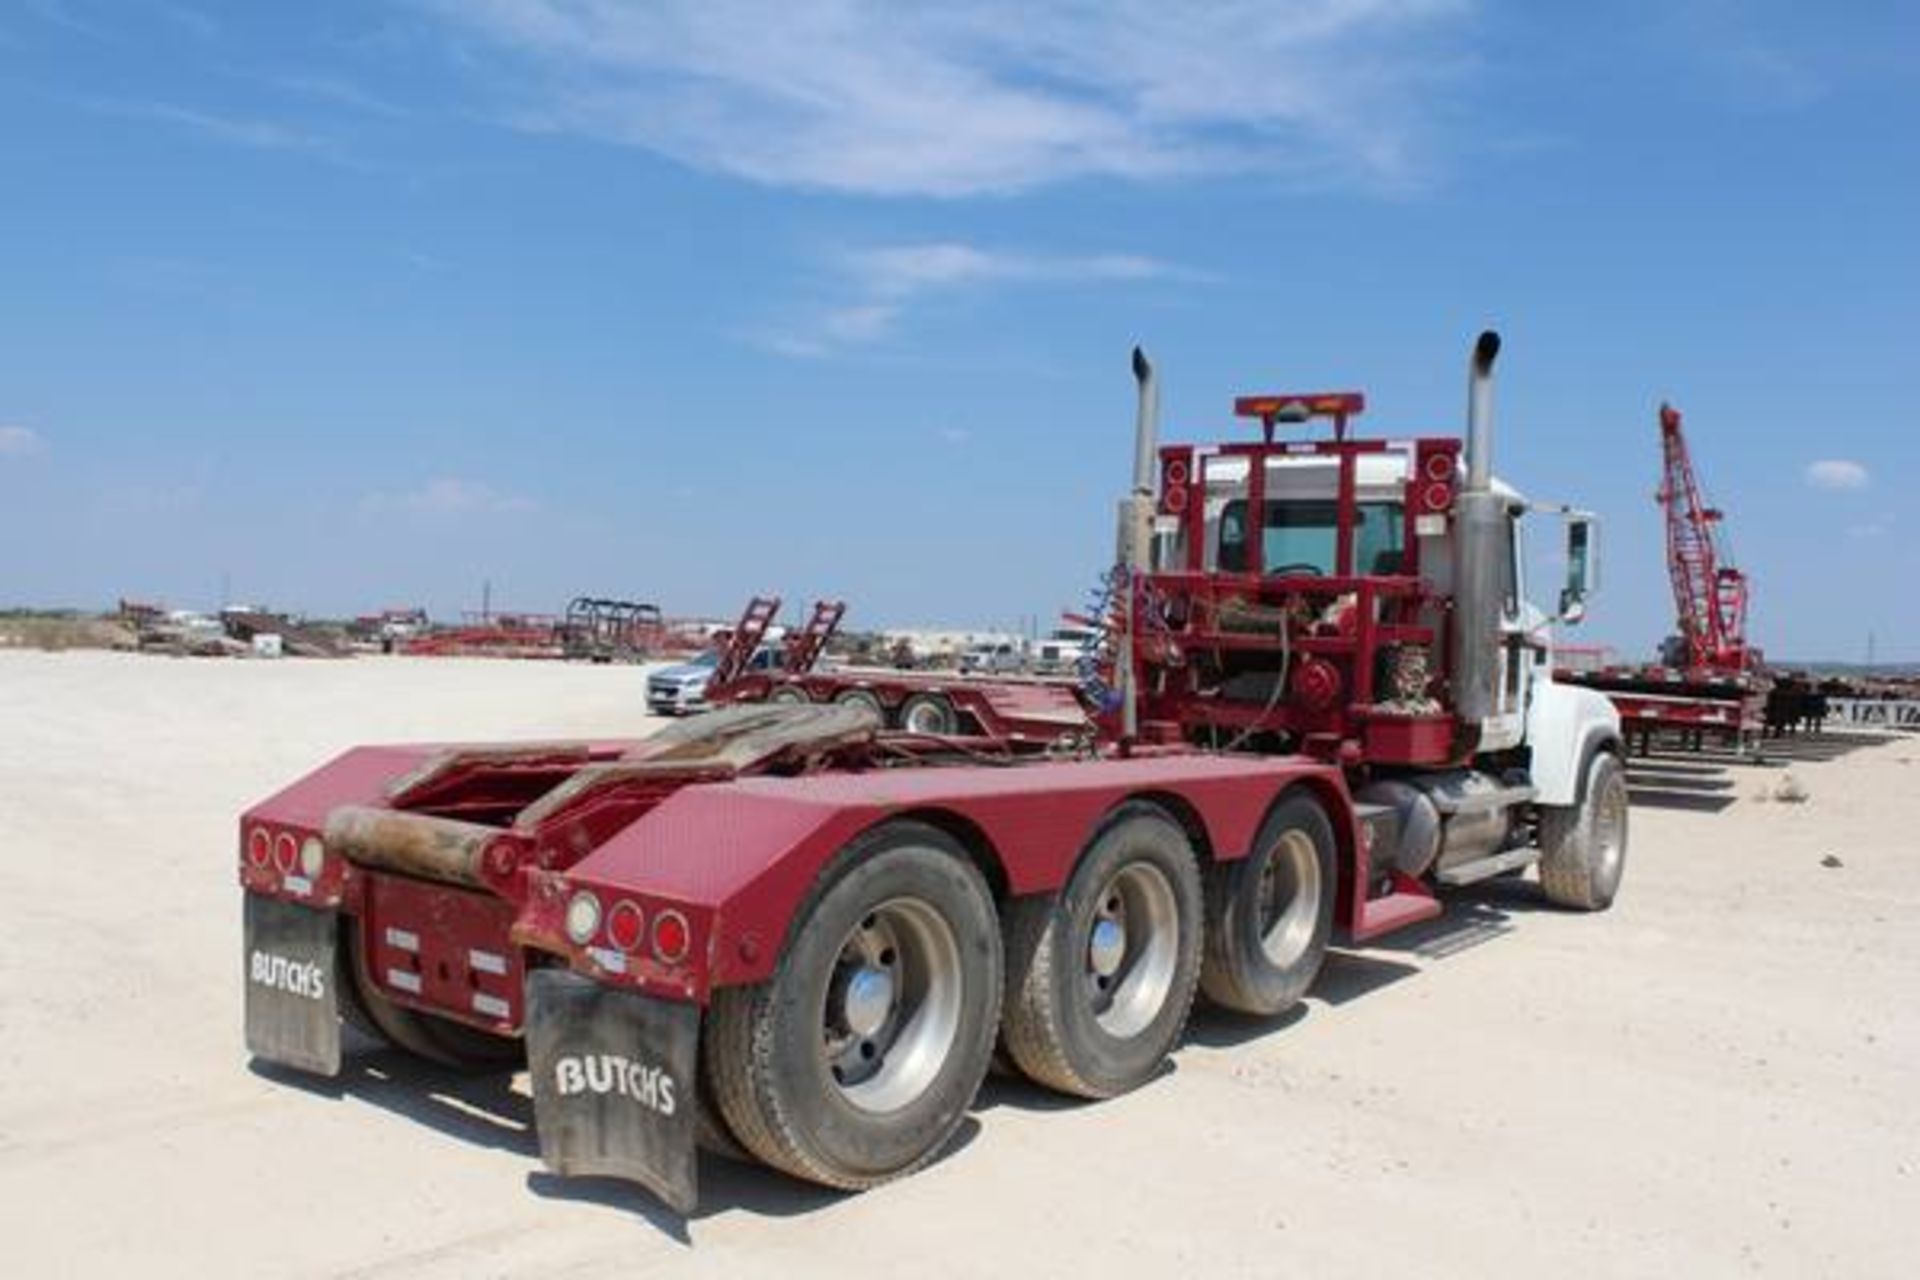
<point>1100,978</point>
<point>855,1062</point>
<point>930,713</point>
<point>1583,847</point>
<point>789,695</point>
<point>441,1040</point>
<point>1270,913</point>
<point>862,698</point>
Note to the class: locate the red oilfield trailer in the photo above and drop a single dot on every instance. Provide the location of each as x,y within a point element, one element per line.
<point>781,931</point>
<point>1000,714</point>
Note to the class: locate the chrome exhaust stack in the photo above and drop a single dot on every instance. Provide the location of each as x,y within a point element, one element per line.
<point>1136,532</point>
<point>1478,548</point>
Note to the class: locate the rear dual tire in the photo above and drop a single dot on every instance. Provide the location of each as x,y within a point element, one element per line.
<point>855,1063</point>
<point>1270,914</point>
<point>1101,977</point>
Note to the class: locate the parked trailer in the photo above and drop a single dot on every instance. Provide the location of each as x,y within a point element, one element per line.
<point>1690,709</point>
<point>781,931</point>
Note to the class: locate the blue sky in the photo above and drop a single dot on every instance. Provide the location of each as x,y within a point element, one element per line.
<point>367,303</point>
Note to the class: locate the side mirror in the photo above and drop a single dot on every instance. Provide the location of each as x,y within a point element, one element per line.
<point>1583,566</point>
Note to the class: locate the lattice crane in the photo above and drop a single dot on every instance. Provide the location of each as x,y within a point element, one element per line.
<point>1709,592</point>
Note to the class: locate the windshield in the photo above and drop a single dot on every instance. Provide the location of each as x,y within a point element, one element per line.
<point>708,659</point>
<point>1300,537</point>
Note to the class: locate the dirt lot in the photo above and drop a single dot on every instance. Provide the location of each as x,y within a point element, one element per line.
<point>1719,1077</point>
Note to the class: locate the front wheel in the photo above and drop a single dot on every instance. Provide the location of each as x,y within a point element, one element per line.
<point>855,1062</point>
<point>1583,847</point>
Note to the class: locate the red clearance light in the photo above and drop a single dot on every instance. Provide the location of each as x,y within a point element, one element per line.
<point>1173,501</point>
<point>671,937</point>
<point>1439,466</point>
<point>286,851</point>
<point>1436,497</point>
<point>259,847</point>
<point>1177,471</point>
<point>626,925</point>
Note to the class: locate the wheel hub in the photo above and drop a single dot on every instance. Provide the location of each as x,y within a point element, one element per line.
<point>868,1001</point>
<point>1107,947</point>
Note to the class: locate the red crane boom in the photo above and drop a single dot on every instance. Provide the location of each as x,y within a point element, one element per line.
<point>1709,593</point>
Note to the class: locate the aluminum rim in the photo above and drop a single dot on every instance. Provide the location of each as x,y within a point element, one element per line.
<point>862,698</point>
<point>892,1010</point>
<point>1289,899</point>
<point>1133,947</point>
<point>1610,829</point>
<point>927,716</point>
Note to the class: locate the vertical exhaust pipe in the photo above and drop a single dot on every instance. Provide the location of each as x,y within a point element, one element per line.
<point>1480,413</point>
<point>1146,423</point>
<point>1479,547</point>
<point>1136,525</point>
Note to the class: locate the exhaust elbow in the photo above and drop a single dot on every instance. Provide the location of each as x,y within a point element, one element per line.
<point>1146,426</point>
<point>1480,412</point>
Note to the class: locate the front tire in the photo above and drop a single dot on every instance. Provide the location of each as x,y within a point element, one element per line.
<point>1583,847</point>
<point>855,1063</point>
<point>1100,979</point>
<point>1269,914</point>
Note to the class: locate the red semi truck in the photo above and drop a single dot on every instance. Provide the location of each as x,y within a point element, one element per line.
<point>782,931</point>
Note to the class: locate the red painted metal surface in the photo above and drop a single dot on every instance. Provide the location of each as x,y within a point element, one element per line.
<point>1709,593</point>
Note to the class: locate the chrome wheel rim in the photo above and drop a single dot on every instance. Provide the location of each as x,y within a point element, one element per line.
<point>1610,829</point>
<point>862,698</point>
<point>1290,891</point>
<point>926,717</point>
<point>892,1009</point>
<point>1132,950</point>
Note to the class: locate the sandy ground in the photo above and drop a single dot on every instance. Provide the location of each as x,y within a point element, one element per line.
<point>1719,1077</point>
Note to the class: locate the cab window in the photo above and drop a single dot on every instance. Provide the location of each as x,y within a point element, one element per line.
<point>1301,536</point>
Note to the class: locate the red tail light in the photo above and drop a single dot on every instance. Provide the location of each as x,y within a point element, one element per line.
<point>626,925</point>
<point>1176,470</point>
<point>259,847</point>
<point>286,852</point>
<point>671,937</point>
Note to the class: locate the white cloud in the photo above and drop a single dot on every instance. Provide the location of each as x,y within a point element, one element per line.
<point>884,281</point>
<point>995,95</point>
<point>20,441</point>
<point>449,496</point>
<point>1836,474</point>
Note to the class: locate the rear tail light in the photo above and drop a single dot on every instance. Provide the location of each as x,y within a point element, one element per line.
<point>259,847</point>
<point>583,917</point>
<point>286,853</point>
<point>1176,469</point>
<point>626,925</point>
<point>1436,497</point>
<point>1439,466</point>
<point>671,937</point>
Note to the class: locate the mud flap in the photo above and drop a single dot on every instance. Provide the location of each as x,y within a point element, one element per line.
<point>293,1001</point>
<point>613,1083</point>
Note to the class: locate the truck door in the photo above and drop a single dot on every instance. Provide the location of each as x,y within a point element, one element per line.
<point>1506,727</point>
